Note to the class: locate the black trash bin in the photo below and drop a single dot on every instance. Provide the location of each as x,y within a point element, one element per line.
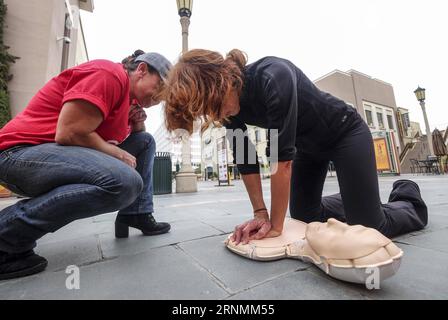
<point>162,177</point>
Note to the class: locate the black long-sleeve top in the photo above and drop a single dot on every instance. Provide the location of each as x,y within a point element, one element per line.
<point>278,95</point>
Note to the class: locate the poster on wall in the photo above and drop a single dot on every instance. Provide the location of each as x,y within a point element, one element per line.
<point>386,152</point>
<point>223,172</point>
<point>381,154</point>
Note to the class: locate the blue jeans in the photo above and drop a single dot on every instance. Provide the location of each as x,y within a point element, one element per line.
<point>66,183</point>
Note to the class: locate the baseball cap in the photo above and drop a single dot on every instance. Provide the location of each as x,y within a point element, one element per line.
<point>157,61</point>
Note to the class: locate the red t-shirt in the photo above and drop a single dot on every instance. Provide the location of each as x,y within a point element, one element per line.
<point>100,82</point>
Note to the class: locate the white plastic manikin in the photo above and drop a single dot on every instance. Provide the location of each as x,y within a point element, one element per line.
<point>344,252</point>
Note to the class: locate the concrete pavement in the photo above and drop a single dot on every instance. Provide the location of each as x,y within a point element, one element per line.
<point>191,261</point>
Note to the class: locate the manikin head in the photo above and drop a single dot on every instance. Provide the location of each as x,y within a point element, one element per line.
<point>337,240</point>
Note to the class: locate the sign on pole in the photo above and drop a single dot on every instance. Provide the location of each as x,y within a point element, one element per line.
<point>223,170</point>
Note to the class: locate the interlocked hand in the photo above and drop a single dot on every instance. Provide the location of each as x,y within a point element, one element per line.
<point>137,114</point>
<point>258,228</point>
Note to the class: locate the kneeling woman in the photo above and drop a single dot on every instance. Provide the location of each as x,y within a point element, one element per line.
<point>79,150</point>
<point>314,128</point>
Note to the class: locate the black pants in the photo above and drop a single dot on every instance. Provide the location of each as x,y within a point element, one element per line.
<point>358,201</point>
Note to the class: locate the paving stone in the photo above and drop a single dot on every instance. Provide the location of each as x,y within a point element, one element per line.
<point>136,243</point>
<point>436,240</point>
<point>164,273</point>
<point>302,285</point>
<point>226,223</point>
<point>436,222</point>
<point>199,212</point>
<point>78,229</point>
<point>70,252</point>
<point>105,217</point>
<point>235,272</point>
<point>423,275</point>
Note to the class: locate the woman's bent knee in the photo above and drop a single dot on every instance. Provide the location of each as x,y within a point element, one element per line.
<point>123,186</point>
<point>132,186</point>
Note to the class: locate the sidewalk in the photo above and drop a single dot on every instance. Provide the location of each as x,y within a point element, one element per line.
<point>191,261</point>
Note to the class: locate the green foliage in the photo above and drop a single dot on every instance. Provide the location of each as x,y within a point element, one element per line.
<point>6,60</point>
<point>5,114</point>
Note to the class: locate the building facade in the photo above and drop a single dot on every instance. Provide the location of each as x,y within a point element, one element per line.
<point>47,36</point>
<point>409,130</point>
<point>209,141</point>
<point>373,99</point>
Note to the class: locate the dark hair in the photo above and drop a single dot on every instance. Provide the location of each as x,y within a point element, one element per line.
<point>130,64</point>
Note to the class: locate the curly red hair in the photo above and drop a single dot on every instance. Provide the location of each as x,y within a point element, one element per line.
<point>197,84</point>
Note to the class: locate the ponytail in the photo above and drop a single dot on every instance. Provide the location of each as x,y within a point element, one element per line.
<point>129,62</point>
<point>238,57</point>
<point>235,62</point>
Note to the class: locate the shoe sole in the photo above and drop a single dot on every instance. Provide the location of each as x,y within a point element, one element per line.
<point>154,233</point>
<point>25,272</point>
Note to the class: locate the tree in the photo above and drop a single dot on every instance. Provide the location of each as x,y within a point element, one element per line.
<point>6,60</point>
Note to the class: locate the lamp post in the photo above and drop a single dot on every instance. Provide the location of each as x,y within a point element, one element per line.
<point>186,180</point>
<point>420,93</point>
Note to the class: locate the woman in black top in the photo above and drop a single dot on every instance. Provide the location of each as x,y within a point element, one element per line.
<point>308,127</point>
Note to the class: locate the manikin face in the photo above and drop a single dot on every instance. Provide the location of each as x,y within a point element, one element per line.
<point>230,104</point>
<point>333,229</point>
<point>329,238</point>
<point>145,86</point>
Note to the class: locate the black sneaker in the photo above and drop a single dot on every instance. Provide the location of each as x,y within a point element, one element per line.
<point>16,265</point>
<point>144,222</point>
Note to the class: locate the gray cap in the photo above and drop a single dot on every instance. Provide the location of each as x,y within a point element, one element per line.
<point>157,61</point>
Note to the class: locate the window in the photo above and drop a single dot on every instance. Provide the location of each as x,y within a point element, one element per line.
<point>406,121</point>
<point>390,122</point>
<point>369,118</point>
<point>380,120</point>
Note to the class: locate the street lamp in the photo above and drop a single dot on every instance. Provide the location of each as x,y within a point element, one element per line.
<point>186,180</point>
<point>184,8</point>
<point>420,93</point>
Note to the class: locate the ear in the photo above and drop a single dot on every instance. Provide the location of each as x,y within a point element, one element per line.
<point>142,68</point>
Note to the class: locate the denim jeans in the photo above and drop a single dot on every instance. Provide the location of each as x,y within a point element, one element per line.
<point>66,183</point>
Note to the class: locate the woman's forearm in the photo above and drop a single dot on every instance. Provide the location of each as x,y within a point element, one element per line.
<point>280,185</point>
<point>90,140</point>
<point>76,126</point>
<point>254,189</point>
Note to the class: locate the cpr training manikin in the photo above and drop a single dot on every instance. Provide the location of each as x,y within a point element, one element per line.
<point>347,253</point>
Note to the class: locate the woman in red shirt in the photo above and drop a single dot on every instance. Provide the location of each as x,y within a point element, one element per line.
<point>79,150</point>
